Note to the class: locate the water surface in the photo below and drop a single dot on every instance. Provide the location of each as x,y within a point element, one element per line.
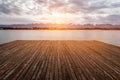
<point>108,36</point>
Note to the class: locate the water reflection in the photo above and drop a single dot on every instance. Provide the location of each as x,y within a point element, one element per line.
<point>109,36</point>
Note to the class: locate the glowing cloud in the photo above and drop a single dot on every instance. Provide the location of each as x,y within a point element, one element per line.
<point>57,11</point>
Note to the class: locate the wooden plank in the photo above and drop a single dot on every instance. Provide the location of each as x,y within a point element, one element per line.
<point>59,60</point>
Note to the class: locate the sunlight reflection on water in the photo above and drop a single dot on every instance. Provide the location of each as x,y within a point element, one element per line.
<point>109,36</point>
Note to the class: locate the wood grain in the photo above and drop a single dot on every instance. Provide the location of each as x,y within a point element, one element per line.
<point>59,60</point>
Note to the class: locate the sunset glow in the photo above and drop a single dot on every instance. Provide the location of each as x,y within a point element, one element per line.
<point>57,11</point>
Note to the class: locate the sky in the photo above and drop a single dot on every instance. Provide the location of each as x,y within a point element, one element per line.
<point>60,11</point>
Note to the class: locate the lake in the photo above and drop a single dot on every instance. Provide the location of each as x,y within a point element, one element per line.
<point>108,36</point>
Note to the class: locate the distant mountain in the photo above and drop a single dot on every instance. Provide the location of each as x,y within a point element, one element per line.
<point>60,26</point>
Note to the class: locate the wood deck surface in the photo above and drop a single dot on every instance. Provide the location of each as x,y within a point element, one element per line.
<point>59,60</point>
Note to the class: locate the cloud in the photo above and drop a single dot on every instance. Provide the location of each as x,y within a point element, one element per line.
<point>15,20</point>
<point>4,9</point>
<point>115,5</point>
<point>96,8</point>
<point>114,19</point>
<point>9,7</point>
<point>43,6</point>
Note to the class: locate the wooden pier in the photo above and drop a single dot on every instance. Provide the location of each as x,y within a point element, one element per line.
<point>59,60</point>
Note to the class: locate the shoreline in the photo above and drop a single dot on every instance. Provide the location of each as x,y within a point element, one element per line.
<point>64,29</point>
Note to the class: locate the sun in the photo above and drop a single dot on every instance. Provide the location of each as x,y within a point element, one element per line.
<point>57,18</point>
<point>54,17</point>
